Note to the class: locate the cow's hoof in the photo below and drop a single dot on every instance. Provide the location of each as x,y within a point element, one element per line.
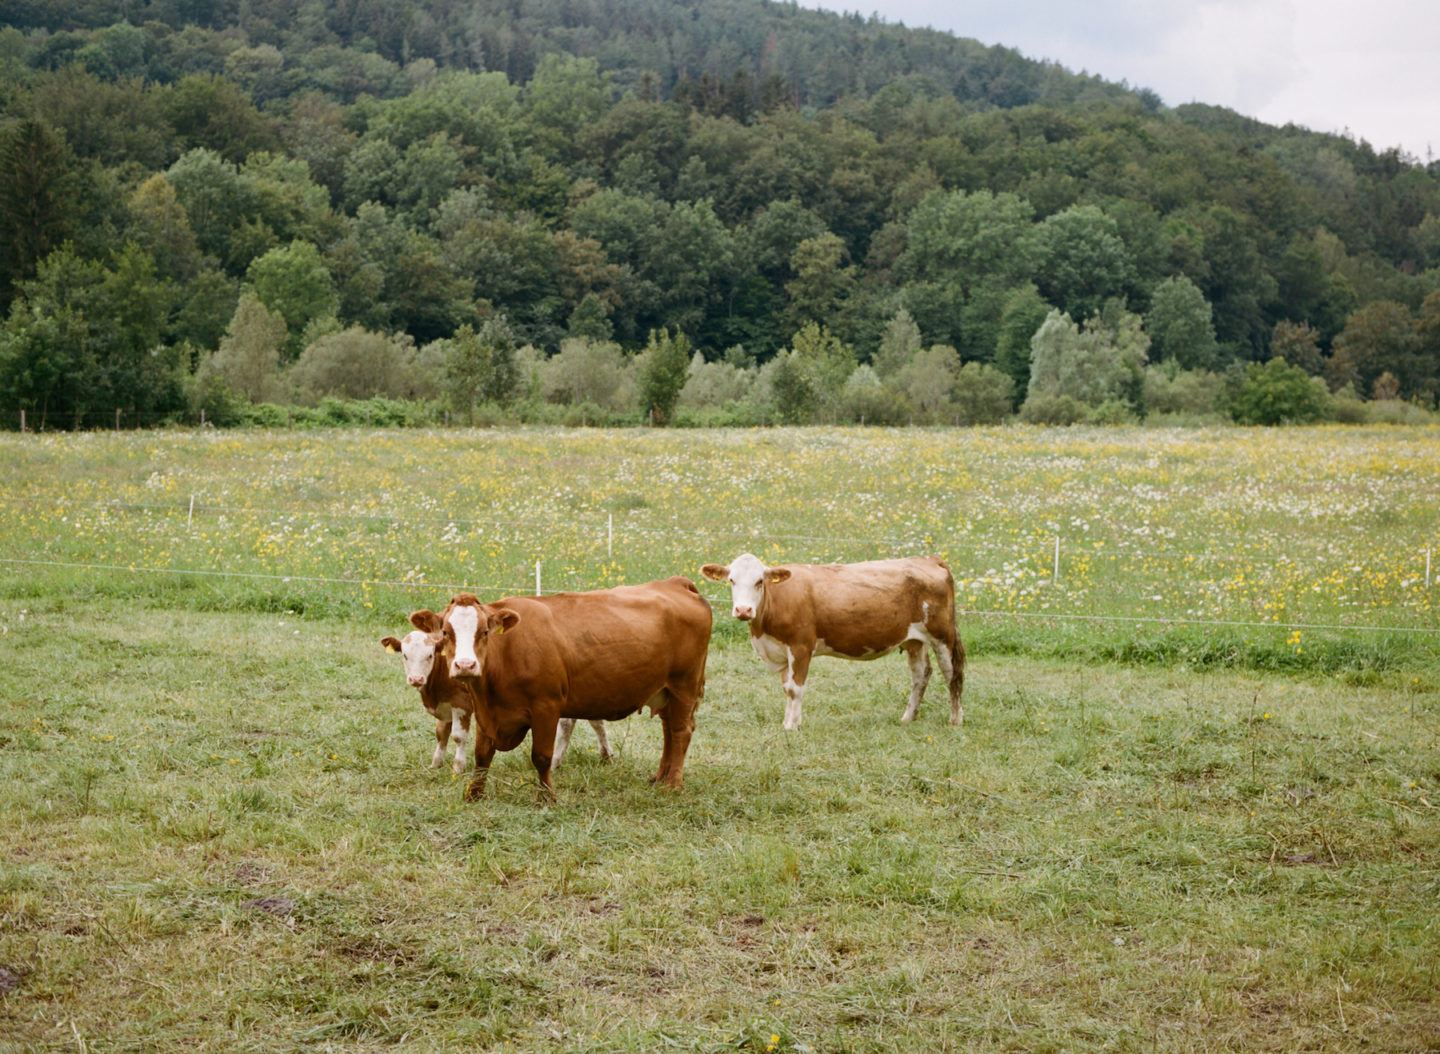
<point>474,792</point>
<point>906,717</point>
<point>605,759</point>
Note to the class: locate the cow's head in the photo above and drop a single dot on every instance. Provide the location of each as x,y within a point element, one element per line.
<point>469,625</point>
<point>418,647</point>
<point>748,578</point>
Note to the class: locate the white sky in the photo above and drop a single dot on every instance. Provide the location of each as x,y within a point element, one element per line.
<point>1372,68</point>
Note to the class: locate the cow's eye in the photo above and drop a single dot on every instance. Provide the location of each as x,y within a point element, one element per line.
<point>759,582</point>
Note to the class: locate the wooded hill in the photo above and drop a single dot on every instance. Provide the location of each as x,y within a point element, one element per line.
<point>732,170</point>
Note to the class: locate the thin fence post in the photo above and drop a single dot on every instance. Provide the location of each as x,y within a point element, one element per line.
<point>610,540</point>
<point>190,516</point>
<point>117,418</point>
<point>202,417</point>
<point>1055,575</point>
<point>537,578</point>
<point>22,420</point>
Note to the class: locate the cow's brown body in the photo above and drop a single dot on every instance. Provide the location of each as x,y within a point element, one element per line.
<point>600,655</point>
<point>851,611</point>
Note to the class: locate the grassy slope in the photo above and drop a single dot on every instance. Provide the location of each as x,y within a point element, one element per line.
<point>1104,858</point>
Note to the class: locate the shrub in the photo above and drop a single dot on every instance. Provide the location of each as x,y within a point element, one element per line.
<point>1112,412</point>
<point>1396,412</point>
<point>1171,390</point>
<point>928,382</point>
<point>1054,410</point>
<point>355,364</point>
<point>866,399</point>
<point>715,384</point>
<point>1278,393</point>
<point>983,395</point>
<point>589,371</point>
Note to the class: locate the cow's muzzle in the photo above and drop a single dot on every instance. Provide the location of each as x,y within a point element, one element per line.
<point>744,614</point>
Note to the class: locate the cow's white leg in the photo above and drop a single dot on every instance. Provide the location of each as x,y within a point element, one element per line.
<point>599,727</point>
<point>797,665</point>
<point>458,734</point>
<point>919,677</point>
<point>563,728</point>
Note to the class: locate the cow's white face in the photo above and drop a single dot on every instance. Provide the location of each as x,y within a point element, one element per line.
<point>747,577</point>
<point>418,650</point>
<point>419,647</point>
<point>468,628</point>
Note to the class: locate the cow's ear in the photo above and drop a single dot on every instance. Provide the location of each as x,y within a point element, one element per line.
<point>504,619</point>
<point>425,620</point>
<point>776,575</point>
<point>715,572</point>
<point>390,643</point>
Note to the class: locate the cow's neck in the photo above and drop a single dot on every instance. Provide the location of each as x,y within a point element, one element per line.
<point>440,687</point>
<point>757,624</point>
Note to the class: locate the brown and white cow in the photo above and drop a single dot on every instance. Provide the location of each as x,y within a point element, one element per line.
<point>602,655</point>
<point>451,702</point>
<point>852,611</point>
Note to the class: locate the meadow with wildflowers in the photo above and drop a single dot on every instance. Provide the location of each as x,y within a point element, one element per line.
<point>1208,824</point>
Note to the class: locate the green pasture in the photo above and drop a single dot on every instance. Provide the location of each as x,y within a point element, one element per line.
<point>1214,828</point>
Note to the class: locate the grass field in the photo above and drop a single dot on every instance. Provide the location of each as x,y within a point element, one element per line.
<point>217,830</point>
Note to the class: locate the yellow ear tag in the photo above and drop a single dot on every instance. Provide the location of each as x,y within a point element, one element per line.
<point>499,628</point>
<point>391,647</point>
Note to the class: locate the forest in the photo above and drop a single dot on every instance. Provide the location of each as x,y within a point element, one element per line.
<point>734,212</point>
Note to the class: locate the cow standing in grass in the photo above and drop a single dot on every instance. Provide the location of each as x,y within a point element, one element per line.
<point>602,655</point>
<point>852,611</point>
<point>450,701</point>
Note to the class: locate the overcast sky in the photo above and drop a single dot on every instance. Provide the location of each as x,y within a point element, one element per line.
<point>1372,67</point>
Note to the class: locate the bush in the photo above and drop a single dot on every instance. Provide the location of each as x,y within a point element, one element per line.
<point>1396,412</point>
<point>589,371</point>
<point>1054,410</point>
<point>715,384</point>
<point>1171,390</point>
<point>928,382</point>
<point>1112,412</point>
<point>355,364</point>
<point>1278,393</point>
<point>1348,408</point>
<point>868,400</point>
<point>983,395</point>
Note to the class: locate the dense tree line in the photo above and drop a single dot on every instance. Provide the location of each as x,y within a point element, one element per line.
<point>670,208</point>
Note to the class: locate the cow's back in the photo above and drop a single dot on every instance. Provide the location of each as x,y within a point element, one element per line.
<point>606,652</point>
<point>861,607</point>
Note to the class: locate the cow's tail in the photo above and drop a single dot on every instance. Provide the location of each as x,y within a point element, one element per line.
<point>956,645</point>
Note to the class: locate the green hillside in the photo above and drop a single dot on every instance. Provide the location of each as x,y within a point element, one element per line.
<point>379,177</point>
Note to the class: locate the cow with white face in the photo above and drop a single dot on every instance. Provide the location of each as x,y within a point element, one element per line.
<point>451,701</point>
<point>851,611</point>
<point>536,662</point>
